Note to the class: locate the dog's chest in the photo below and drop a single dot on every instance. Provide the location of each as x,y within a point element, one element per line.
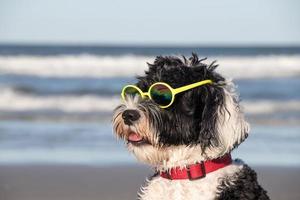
<point>163,189</point>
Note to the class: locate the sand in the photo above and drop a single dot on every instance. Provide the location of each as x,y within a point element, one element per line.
<point>75,182</point>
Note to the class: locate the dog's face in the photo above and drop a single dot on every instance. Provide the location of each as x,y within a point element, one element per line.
<point>202,123</point>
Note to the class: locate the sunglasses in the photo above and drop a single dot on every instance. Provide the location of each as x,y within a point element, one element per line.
<point>161,93</point>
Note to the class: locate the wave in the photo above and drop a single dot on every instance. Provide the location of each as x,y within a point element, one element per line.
<point>11,100</point>
<point>269,106</point>
<point>73,66</point>
<point>47,91</point>
<point>86,65</point>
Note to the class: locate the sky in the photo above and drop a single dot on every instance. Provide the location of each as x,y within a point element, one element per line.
<point>151,22</point>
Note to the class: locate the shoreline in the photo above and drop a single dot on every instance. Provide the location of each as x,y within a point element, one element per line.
<point>78,182</point>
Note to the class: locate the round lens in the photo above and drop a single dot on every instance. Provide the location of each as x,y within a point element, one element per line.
<point>130,91</point>
<point>161,94</point>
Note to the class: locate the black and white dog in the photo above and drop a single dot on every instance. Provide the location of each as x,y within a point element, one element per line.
<point>184,119</point>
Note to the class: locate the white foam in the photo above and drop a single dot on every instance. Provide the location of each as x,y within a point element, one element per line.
<point>130,65</point>
<point>269,106</point>
<point>260,66</point>
<point>14,101</point>
<point>73,66</point>
<point>63,156</point>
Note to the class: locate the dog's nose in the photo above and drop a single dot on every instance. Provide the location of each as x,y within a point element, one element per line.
<point>129,116</point>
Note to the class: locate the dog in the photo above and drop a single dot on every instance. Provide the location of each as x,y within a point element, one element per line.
<point>184,119</point>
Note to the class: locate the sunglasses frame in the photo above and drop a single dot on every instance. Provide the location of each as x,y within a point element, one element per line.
<point>174,91</point>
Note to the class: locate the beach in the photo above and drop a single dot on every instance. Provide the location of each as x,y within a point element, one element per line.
<point>82,182</point>
<point>56,105</point>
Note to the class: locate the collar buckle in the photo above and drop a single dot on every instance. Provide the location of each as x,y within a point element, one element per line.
<point>203,172</point>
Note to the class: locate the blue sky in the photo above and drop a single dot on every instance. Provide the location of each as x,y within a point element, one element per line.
<point>189,22</point>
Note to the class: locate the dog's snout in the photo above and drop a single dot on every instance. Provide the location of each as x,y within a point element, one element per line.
<point>130,116</point>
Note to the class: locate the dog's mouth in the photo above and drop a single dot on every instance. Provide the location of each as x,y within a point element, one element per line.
<point>135,139</point>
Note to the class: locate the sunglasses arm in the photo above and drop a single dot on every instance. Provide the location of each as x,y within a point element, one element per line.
<point>191,86</point>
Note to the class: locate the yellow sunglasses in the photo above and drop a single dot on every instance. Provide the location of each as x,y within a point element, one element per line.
<point>161,93</point>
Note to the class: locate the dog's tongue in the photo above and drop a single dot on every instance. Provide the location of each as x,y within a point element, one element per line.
<point>134,137</point>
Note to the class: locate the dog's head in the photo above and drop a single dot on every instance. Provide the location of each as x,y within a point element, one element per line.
<point>202,123</point>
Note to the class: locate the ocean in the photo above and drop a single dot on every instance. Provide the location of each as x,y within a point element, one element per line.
<point>56,102</point>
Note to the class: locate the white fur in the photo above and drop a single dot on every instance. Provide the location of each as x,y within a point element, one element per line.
<point>132,102</point>
<point>175,156</point>
<point>164,189</point>
<point>232,127</point>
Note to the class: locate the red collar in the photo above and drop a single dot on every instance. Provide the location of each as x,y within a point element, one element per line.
<point>198,170</point>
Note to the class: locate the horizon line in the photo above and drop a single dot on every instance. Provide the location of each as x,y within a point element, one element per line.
<point>147,45</point>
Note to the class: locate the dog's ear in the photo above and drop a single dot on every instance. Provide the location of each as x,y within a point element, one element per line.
<point>221,125</point>
<point>231,125</point>
<point>208,98</point>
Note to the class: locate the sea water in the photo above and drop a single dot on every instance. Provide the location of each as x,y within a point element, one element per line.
<point>56,102</point>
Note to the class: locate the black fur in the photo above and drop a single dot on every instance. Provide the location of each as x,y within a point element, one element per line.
<point>192,117</point>
<point>242,185</point>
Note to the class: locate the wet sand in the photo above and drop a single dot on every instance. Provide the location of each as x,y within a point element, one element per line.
<point>75,182</point>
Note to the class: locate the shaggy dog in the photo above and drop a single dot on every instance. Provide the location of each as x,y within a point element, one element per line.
<point>189,142</point>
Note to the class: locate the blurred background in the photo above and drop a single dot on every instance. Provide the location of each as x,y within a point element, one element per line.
<point>63,64</point>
